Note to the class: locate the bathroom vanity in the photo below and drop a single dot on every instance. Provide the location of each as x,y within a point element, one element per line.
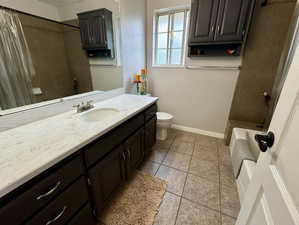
<point>63,170</point>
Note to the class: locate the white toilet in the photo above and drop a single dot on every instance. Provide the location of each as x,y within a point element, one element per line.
<point>164,121</point>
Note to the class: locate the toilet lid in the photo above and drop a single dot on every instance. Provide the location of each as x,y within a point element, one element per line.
<point>164,116</point>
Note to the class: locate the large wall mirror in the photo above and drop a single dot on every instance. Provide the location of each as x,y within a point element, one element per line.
<point>50,50</point>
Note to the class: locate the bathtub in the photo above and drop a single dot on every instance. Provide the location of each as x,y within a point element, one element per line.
<point>248,167</point>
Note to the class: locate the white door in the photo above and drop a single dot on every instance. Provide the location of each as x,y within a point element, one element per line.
<point>272,197</point>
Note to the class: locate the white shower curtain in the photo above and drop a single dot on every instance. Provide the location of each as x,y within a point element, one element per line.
<point>16,68</point>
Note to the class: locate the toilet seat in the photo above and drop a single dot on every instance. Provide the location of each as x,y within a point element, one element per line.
<point>161,116</point>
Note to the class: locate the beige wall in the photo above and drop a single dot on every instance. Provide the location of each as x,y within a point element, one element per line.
<point>199,99</point>
<point>77,59</point>
<point>103,77</point>
<point>133,30</point>
<point>260,62</point>
<point>47,47</point>
<point>34,7</point>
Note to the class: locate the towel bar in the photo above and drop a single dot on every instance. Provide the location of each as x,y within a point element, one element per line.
<point>213,67</point>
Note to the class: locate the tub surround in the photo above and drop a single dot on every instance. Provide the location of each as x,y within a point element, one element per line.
<point>29,150</point>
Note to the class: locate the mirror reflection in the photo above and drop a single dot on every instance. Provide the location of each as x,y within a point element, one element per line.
<point>58,49</point>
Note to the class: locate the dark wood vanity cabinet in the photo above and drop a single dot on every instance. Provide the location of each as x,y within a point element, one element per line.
<point>219,21</point>
<point>68,193</point>
<point>150,135</point>
<point>96,29</point>
<point>134,149</point>
<point>48,198</point>
<point>115,156</point>
<point>106,176</point>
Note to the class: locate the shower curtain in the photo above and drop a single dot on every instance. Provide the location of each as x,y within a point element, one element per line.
<point>16,68</point>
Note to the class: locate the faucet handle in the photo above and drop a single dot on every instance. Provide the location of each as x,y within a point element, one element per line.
<point>89,103</point>
<point>76,106</point>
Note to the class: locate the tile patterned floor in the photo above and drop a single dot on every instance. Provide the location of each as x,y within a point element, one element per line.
<point>201,188</point>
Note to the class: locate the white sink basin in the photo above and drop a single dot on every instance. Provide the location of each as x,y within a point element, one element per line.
<point>100,114</point>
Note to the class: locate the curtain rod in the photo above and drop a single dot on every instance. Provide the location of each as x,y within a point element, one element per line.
<point>38,17</point>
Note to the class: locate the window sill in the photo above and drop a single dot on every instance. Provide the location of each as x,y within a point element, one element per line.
<point>168,67</point>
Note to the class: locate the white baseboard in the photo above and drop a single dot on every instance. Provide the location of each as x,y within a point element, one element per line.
<point>198,131</point>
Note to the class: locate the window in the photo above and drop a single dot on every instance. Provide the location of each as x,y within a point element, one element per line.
<point>170,35</point>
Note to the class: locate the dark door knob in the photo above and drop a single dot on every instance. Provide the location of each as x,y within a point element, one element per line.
<point>265,141</point>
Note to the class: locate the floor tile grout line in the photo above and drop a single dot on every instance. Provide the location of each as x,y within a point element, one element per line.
<point>225,214</point>
<point>184,187</point>
<point>161,163</point>
<point>202,205</point>
<point>177,213</point>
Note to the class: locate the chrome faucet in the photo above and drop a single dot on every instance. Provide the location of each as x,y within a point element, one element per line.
<point>84,106</point>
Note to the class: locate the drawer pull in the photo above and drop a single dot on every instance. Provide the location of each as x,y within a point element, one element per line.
<point>129,153</point>
<point>49,192</point>
<point>124,156</point>
<point>57,217</point>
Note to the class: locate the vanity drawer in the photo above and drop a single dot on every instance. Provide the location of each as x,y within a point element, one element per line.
<point>84,217</point>
<point>97,150</point>
<point>63,208</point>
<point>150,112</point>
<point>26,204</point>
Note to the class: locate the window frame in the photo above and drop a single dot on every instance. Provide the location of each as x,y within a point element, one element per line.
<point>170,31</point>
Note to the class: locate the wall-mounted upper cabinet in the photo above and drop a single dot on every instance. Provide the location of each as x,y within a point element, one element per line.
<point>232,18</point>
<point>219,21</point>
<point>203,20</point>
<point>97,32</point>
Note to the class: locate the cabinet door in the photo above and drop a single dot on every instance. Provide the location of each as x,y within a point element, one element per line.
<point>232,19</point>
<point>85,32</point>
<point>98,31</point>
<point>93,30</point>
<point>202,21</point>
<point>134,148</point>
<point>150,134</point>
<point>106,176</point>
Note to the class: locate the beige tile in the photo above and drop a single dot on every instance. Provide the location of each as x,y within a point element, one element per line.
<point>205,153</point>
<point>202,191</point>
<point>168,210</point>
<point>206,141</point>
<point>157,156</point>
<point>182,147</point>
<point>163,144</point>
<point>230,204</point>
<point>150,167</point>
<point>224,154</point>
<point>193,214</point>
<point>205,168</point>
<point>171,134</point>
<point>175,179</point>
<point>161,149</point>
<point>227,220</point>
<point>227,175</point>
<point>185,137</point>
<point>177,160</point>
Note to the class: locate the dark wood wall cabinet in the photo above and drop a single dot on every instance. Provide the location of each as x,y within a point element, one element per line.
<point>74,191</point>
<point>96,29</point>
<point>219,26</point>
